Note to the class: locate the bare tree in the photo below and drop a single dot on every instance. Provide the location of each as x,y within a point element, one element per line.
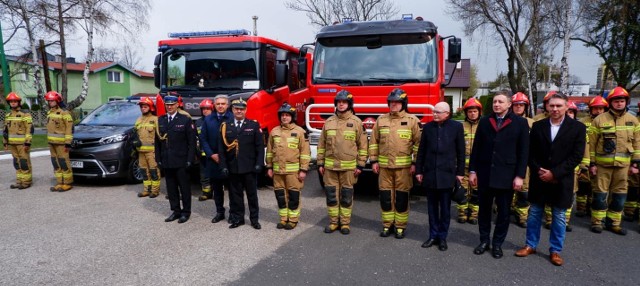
<point>326,12</point>
<point>612,27</point>
<point>124,55</point>
<point>102,54</point>
<point>566,15</point>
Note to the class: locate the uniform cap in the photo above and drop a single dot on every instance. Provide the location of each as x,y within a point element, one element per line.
<point>238,103</point>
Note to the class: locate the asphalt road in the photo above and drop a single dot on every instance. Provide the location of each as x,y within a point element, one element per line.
<point>101,233</point>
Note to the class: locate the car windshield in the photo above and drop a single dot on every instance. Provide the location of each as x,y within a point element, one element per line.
<point>213,70</point>
<point>121,114</point>
<point>355,62</point>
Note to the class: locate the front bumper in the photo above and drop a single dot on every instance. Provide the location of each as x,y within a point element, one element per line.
<point>105,161</point>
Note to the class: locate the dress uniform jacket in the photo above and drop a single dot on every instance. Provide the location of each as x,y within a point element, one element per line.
<point>248,156</point>
<point>343,143</point>
<point>288,150</point>
<point>496,157</point>
<point>560,156</point>
<point>395,140</point>
<point>171,151</point>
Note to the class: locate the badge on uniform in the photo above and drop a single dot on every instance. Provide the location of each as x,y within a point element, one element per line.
<point>403,123</point>
<point>349,124</point>
<point>628,123</point>
<point>294,134</point>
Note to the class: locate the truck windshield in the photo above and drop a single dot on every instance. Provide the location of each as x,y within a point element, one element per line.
<point>215,70</point>
<point>399,63</point>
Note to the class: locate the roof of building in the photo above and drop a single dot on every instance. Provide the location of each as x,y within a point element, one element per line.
<point>462,76</point>
<point>79,67</point>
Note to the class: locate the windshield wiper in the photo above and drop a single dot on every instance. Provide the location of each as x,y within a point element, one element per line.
<point>340,80</point>
<point>403,80</point>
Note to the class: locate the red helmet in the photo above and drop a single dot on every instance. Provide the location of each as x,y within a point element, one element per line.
<point>206,103</point>
<point>472,102</point>
<point>573,106</point>
<point>12,96</point>
<point>618,92</point>
<point>547,96</point>
<point>520,97</point>
<point>53,95</point>
<point>147,101</point>
<point>599,101</point>
<point>180,102</point>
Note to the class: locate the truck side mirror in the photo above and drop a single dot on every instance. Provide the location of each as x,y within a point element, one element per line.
<point>303,51</point>
<point>455,50</point>
<point>281,74</point>
<point>156,70</point>
<point>302,68</point>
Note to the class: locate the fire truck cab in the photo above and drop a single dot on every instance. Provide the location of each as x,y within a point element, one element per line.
<point>199,65</point>
<point>370,59</point>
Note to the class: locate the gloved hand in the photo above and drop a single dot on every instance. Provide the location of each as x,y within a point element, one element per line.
<point>257,169</point>
<point>225,172</point>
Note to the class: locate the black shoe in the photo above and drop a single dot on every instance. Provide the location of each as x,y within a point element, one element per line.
<point>443,245</point>
<point>547,225</point>
<point>172,217</point>
<point>256,225</point>
<point>481,248</point>
<point>385,232</point>
<point>522,224</point>
<point>429,243</point>
<point>496,252</point>
<point>473,221</point>
<point>236,224</point>
<point>218,218</point>
<point>183,219</point>
<point>568,228</point>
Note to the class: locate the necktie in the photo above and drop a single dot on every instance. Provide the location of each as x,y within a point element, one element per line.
<point>500,122</point>
<point>170,118</point>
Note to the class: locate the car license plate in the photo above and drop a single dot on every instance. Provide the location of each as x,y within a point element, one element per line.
<point>77,164</point>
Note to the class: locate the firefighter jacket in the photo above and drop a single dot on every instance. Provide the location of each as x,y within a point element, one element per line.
<point>469,134</point>
<point>540,116</point>
<point>614,139</point>
<point>145,127</point>
<point>343,143</point>
<point>288,149</point>
<point>59,126</point>
<point>395,139</point>
<point>199,124</point>
<point>18,128</point>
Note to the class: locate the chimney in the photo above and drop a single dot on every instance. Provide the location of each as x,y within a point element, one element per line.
<point>71,60</point>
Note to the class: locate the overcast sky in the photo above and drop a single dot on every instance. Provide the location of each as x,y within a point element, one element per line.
<point>276,21</point>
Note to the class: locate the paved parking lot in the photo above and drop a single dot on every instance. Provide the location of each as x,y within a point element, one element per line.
<point>101,233</point>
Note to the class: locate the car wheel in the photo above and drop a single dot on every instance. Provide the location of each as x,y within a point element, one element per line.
<point>134,174</point>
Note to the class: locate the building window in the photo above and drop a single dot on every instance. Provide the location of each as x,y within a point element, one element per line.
<point>114,76</point>
<point>24,75</point>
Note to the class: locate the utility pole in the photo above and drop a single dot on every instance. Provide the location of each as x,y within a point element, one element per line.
<point>5,67</point>
<point>255,25</point>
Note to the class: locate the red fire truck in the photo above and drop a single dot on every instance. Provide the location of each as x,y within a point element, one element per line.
<point>369,59</point>
<point>200,65</point>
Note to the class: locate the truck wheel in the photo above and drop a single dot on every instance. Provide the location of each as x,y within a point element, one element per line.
<point>134,174</point>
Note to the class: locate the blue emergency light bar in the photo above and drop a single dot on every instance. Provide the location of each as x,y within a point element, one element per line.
<point>407,17</point>
<point>240,32</point>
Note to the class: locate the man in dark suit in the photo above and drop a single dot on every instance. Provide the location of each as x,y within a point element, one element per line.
<point>498,165</point>
<point>440,162</point>
<point>241,151</point>
<point>209,138</point>
<point>175,151</point>
<point>557,147</point>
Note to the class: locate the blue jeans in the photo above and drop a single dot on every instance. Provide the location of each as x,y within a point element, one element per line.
<point>558,227</point>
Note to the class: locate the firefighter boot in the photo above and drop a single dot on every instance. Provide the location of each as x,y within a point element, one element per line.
<point>400,233</point>
<point>56,188</point>
<point>462,213</point>
<point>386,231</point>
<point>581,206</point>
<point>344,229</point>
<point>290,225</point>
<point>15,186</point>
<point>206,193</point>
<point>65,188</point>
<point>331,228</point>
<point>146,191</point>
<point>473,216</point>
<point>24,186</point>
<point>155,183</point>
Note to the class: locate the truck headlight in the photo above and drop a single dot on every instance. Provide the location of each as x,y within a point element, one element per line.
<point>113,139</point>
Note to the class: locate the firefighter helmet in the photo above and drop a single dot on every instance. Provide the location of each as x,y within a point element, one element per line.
<point>12,96</point>
<point>346,96</point>
<point>180,102</point>
<point>547,96</point>
<point>472,103</point>
<point>53,95</point>
<point>286,108</point>
<point>573,106</point>
<point>520,98</point>
<point>206,104</point>
<point>598,101</point>
<point>147,101</point>
<point>398,95</point>
<point>618,92</point>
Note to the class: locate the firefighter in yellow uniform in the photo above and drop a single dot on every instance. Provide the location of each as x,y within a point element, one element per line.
<point>586,182</point>
<point>17,133</point>
<point>59,136</point>
<point>520,204</point>
<point>615,151</point>
<point>342,154</point>
<point>468,212</point>
<point>287,158</point>
<point>145,127</point>
<point>395,139</point>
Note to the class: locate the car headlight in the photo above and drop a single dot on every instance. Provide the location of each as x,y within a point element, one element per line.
<point>113,139</point>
